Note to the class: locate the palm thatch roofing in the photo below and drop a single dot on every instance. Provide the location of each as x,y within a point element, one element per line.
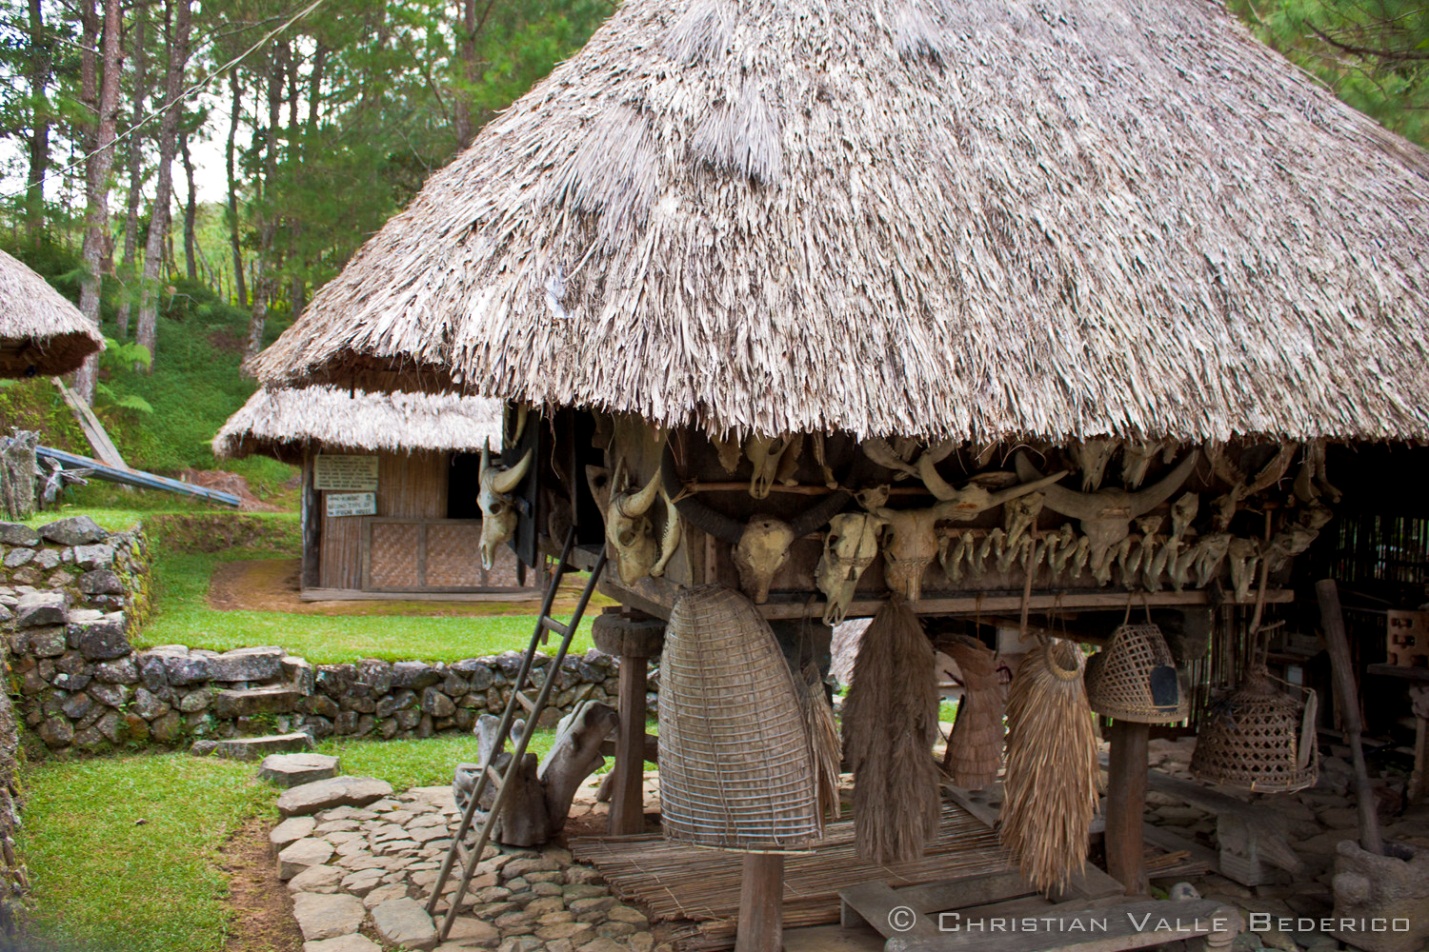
<point>41,332</point>
<point>915,217</point>
<point>280,422</point>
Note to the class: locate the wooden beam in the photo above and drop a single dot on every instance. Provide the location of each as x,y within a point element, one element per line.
<point>627,795</point>
<point>1337,643</point>
<point>310,518</point>
<point>1126,805</point>
<point>761,904</point>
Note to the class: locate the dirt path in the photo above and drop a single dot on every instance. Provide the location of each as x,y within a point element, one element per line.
<point>263,909</point>
<point>271,585</point>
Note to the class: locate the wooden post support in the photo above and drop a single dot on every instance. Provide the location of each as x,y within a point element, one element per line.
<point>1337,644</point>
<point>1126,804</point>
<point>627,796</point>
<point>761,904</point>
<point>310,518</point>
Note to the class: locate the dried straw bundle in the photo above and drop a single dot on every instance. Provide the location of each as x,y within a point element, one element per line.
<point>890,723</point>
<point>975,745</point>
<point>1050,791</point>
<point>823,738</point>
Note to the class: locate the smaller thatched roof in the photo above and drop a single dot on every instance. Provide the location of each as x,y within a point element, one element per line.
<point>279,422</point>
<point>41,332</point>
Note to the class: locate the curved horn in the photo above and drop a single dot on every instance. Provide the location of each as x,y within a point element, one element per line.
<point>1149,499</point>
<point>818,514</point>
<point>1023,489</point>
<point>485,456</point>
<point>639,503</point>
<point>1059,498</point>
<point>511,478</point>
<point>691,509</point>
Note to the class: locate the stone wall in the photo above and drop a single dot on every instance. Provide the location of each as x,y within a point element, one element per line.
<point>96,570</point>
<point>81,686</point>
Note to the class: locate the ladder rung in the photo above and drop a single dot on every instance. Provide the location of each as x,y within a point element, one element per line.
<point>526,702</point>
<point>550,624</point>
<point>494,776</point>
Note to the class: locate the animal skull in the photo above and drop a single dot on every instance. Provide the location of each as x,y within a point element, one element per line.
<point>1136,458</point>
<point>1105,515</point>
<point>1244,555</point>
<point>1091,457</point>
<point>849,548</point>
<point>631,532</point>
<point>762,550</point>
<point>498,509</point>
<point>910,543</point>
<point>767,455</point>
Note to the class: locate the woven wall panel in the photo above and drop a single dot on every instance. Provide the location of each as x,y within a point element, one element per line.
<point>454,555</point>
<point>394,555</point>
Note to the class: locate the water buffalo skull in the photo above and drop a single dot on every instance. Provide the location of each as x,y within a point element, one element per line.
<point>849,548</point>
<point>498,509</point>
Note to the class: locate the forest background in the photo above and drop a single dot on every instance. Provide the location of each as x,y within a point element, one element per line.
<point>191,173</point>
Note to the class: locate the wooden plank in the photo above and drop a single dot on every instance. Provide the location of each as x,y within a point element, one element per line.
<point>311,524</point>
<point>94,431</point>
<point>1126,805</point>
<point>878,905</point>
<point>1097,928</point>
<point>1172,842</point>
<point>761,904</point>
<point>972,803</point>
<point>425,595</point>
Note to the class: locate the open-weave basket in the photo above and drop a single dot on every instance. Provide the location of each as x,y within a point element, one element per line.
<point>1259,738</point>
<point>736,771</point>
<point>1119,678</point>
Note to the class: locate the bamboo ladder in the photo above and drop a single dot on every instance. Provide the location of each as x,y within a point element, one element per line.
<point>489,775</point>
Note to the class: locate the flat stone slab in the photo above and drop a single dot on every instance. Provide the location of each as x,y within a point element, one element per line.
<point>292,770</point>
<point>254,748</point>
<point>336,792</point>
<point>346,943</point>
<point>405,922</point>
<point>302,854</point>
<point>292,830</point>
<point>323,916</point>
<point>246,702</point>
<point>316,879</point>
<point>248,664</point>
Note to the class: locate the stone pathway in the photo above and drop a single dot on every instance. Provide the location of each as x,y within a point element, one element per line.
<point>360,878</point>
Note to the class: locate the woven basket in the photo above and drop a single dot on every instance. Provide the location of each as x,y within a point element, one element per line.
<point>974,754</point>
<point>736,771</point>
<point>1135,678</point>
<point>1260,739</point>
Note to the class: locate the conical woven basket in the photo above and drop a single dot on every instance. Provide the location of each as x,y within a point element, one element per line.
<point>1119,678</point>
<point>1260,739</point>
<point>736,771</point>
<point>974,754</point>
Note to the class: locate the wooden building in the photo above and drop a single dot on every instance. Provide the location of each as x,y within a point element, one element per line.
<point>1011,313</point>
<point>41,332</point>
<point>389,487</point>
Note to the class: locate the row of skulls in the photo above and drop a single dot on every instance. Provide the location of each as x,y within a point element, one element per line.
<point>1119,535</point>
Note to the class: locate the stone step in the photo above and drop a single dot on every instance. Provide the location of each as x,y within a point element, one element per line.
<point>246,702</point>
<point>254,748</point>
<point>290,770</point>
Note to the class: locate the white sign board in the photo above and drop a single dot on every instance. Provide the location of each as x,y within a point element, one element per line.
<point>345,473</point>
<point>351,504</point>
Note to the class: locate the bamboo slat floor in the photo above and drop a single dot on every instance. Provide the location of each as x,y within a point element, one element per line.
<point>700,887</point>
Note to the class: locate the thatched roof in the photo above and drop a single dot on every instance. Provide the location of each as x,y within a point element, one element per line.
<point>911,217</point>
<point>280,422</point>
<point>41,332</point>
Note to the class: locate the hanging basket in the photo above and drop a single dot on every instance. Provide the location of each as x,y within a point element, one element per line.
<point>974,754</point>
<point>1259,738</point>
<point>1134,678</point>
<point>736,770</point>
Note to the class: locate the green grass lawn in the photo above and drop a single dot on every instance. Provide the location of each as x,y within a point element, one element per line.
<point>124,852</point>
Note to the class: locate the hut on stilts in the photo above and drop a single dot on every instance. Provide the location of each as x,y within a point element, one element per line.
<point>41,332</point>
<point>389,487</point>
<point>1030,317</point>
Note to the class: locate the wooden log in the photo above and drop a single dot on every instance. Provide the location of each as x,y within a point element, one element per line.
<point>310,518</point>
<point>627,795</point>
<point>1338,645</point>
<point>1126,804</point>
<point>761,904</point>
<point>574,756</point>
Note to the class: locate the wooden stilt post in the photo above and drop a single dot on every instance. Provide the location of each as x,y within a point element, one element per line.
<point>1126,804</point>
<point>634,638</point>
<point>627,795</point>
<point>761,904</point>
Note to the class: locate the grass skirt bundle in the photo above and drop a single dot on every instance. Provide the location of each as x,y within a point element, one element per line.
<point>1050,791</point>
<point>890,723</point>
<point>975,745</point>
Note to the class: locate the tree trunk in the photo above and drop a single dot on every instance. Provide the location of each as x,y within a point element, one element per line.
<point>136,168</point>
<point>240,284</point>
<point>466,51</point>
<point>265,270</point>
<point>178,54</point>
<point>104,93</point>
<point>41,67</point>
<point>190,211</point>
